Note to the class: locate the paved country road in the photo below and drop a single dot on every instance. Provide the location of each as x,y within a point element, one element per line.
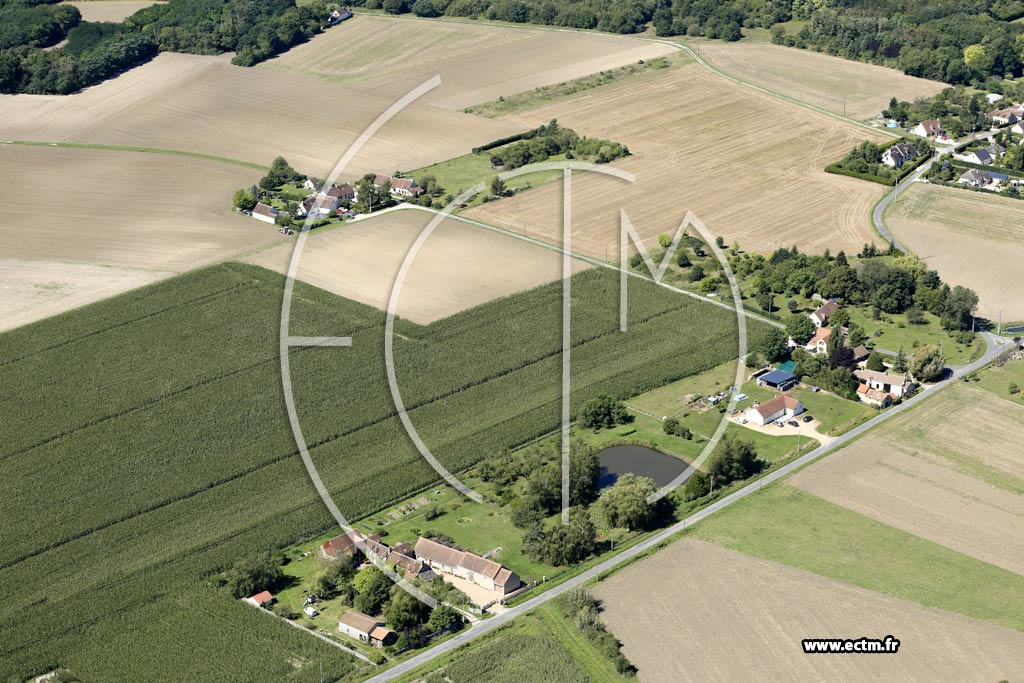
<point>994,346</point>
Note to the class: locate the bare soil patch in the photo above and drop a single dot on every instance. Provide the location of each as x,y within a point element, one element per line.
<point>79,225</point>
<point>109,10</point>
<point>975,239</point>
<point>749,165</point>
<point>819,79</point>
<point>950,471</point>
<point>698,612</point>
<point>476,62</point>
<point>459,266</point>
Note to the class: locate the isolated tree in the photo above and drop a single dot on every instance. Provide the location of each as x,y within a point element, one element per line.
<point>696,273</point>
<point>498,188</point>
<point>900,364</point>
<point>244,200</point>
<point>857,335</point>
<point>734,459</point>
<point>927,364</point>
<point>603,412</point>
<point>958,313</point>
<point>774,345</point>
<point>697,486</point>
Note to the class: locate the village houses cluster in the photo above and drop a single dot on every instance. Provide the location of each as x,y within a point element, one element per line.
<point>337,199</point>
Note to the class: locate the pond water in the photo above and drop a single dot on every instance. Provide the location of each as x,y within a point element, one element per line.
<point>639,460</point>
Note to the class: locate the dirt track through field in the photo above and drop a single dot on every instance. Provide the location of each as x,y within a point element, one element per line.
<point>698,612</point>
<point>950,471</point>
<point>749,166</point>
<point>459,267</point>
<point>974,239</point>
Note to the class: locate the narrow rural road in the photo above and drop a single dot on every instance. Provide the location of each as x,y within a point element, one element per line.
<point>878,215</point>
<point>994,346</point>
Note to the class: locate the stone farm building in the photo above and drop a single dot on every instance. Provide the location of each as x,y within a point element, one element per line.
<point>467,565</point>
<point>401,556</point>
<point>265,212</point>
<point>365,628</point>
<point>781,407</point>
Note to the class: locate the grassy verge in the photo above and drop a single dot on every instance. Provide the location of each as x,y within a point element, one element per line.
<point>786,525</point>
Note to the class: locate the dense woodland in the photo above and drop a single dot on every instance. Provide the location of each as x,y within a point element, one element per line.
<point>254,29</point>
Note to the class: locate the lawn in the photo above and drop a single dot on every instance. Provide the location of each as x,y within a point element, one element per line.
<point>786,525</point>
<point>836,414</point>
<point>893,332</point>
<point>462,173</point>
<point>998,380</point>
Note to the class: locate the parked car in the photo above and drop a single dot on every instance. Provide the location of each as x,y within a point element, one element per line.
<point>742,420</point>
<point>808,418</point>
<point>793,423</point>
<point>778,423</point>
<point>310,612</point>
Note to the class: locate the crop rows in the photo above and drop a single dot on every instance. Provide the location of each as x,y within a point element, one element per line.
<point>180,471</point>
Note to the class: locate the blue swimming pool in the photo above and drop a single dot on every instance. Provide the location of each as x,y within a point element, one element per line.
<point>787,366</point>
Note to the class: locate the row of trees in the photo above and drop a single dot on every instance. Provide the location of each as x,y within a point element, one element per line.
<point>550,140</point>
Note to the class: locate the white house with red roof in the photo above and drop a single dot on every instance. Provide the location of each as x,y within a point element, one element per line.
<point>261,599</point>
<point>782,407</point>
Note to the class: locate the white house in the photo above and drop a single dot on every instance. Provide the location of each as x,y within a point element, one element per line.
<point>978,156</point>
<point>1002,116</point>
<point>928,129</point>
<point>365,628</point>
<point>818,344</point>
<point>264,212</point>
<point>782,407</point>
<point>896,386</point>
<point>402,187</point>
<point>483,572</point>
<point>820,317</point>
<point>1018,128</point>
<point>896,155</point>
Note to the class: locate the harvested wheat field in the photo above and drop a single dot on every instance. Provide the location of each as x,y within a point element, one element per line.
<point>207,105</point>
<point>819,79</point>
<point>476,62</point>
<point>698,612</point>
<point>79,225</point>
<point>459,266</point>
<point>749,165</point>
<point>950,471</point>
<point>109,10</point>
<point>975,239</point>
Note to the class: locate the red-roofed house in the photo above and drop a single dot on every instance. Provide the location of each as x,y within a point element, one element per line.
<point>264,599</point>
<point>781,407</point>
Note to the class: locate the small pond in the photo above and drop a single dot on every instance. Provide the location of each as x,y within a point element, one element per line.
<point>639,460</point>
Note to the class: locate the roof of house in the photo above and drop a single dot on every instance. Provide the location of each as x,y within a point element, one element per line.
<point>341,191</point>
<point>883,377</point>
<point>380,633</point>
<point>982,155</point>
<point>345,543</point>
<point>265,210</point>
<point>995,149</point>
<point>433,551</point>
<point>504,576</point>
<point>404,183</point>
<point>404,562</point>
<point>827,308</point>
<point>773,406</point>
<point>976,175</point>
<point>375,547</point>
<point>262,598</point>
<point>873,394</point>
<point>359,621</point>
<point>1000,113</point>
<point>932,125</point>
<point>861,352</point>
<point>820,335</point>
<point>777,377</point>
<point>901,150</point>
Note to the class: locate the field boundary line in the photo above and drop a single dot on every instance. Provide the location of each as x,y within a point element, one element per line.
<point>142,150</point>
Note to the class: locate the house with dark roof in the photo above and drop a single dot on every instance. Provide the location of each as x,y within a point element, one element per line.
<point>825,311</point>
<point>781,407</point>
<point>365,628</point>
<point>464,564</point>
<point>897,155</point>
<point>264,212</point>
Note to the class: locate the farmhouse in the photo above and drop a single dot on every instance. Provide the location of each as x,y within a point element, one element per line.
<point>779,380</point>
<point>928,129</point>
<point>861,354</point>
<point>402,187</point>
<point>984,179</point>
<point>898,154</point>
<point>410,566</point>
<point>265,213</point>
<point>819,342</point>
<point>345,544</point>
<point>873,397</point>
<point>1002,116</point>
<point>464,564</point>
<point>896,386</point>
<point>263,599</point>
<point>820,317</point>
<point>365,628</point>
<point>781,407</point>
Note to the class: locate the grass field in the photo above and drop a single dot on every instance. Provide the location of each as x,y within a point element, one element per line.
<point>462,173</point>
<point>760,184</point>
<point>542,646</point>
<point>161,411</point>
<point>818,79</point>
<point>477,62</point>
<point>361,260</point>
<point>950,471</point>
<point>681,610</point>
<point>118,220</point>
<point>973,239</point>
<point>786,525</point>
<point>894,332</point>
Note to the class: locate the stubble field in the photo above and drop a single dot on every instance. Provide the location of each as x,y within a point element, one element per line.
<point>698,612</point>
<point>459,266</point>
<point>79,225</point>
<point>975,239</point>
<point>476,62</point>
<point>109,10</point>
<point>819,79</point>
<point>950,471</point>
<point>749,166</point>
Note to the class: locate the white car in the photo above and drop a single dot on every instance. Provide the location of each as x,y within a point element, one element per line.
<point>310,611</point>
